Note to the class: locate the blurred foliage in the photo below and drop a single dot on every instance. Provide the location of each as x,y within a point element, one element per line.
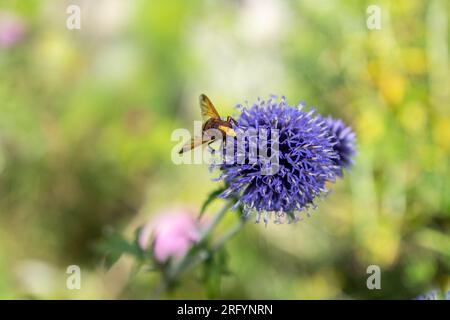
<point>86,118</point>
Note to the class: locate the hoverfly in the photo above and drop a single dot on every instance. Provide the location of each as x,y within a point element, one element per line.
<point>211,120</point>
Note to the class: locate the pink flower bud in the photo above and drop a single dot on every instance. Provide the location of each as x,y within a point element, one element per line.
<point>174,231</point>
<point>12,29</point>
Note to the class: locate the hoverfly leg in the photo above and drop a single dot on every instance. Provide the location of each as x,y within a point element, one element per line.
<point>220,147</point>
<point>211,149</point>
<point>231,120</point>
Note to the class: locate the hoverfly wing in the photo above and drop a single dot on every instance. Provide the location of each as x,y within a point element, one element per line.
<point>207,108</point>
<point>194,143</point>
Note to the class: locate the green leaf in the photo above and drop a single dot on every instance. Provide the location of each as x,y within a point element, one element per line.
<point>211,197</point>
<point>137,250</point>
<point>110,259</point>
<point>114,245</point>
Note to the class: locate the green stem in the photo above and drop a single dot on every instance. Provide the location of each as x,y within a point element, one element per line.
<point>216,246</point>
<point>215,221</point>
<point>187,260</point>
<point>228,235</point>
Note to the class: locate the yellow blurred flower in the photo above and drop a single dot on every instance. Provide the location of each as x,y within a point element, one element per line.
<point>373,69</point>
<point>413,117</point>
<point>370,126</point>
<point>414,60</point>
<point>441,132</point>
<point>392,86</point>
<point>321,285</point>
<point>381,244</point>
<point>55,55</point>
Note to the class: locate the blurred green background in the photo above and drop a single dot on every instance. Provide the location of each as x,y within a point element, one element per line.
<point>86,118</point>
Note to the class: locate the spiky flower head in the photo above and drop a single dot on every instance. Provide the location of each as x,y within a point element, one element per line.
<point>434,294</point>
<point>306,160</point>
<point>344,143</point>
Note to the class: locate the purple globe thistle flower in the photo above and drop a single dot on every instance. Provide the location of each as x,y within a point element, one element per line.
<point>345,140</point>
<point>306,161</point>
<point>434,295</point>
